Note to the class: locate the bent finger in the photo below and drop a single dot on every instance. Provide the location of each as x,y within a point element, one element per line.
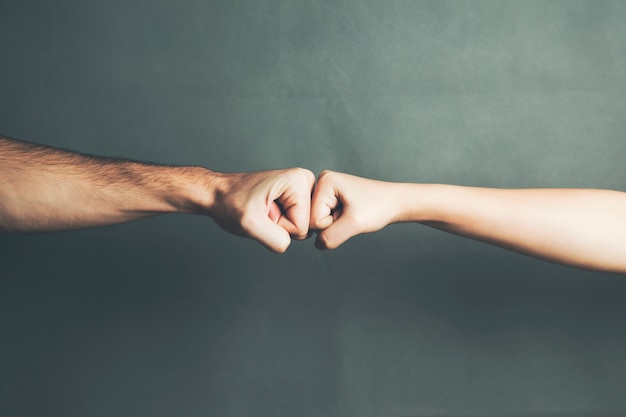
<point>271,235</point>
<point>323,203</point>
<point>336,234</point>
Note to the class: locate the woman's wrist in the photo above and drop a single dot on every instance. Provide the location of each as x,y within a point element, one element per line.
<point>420,202</point>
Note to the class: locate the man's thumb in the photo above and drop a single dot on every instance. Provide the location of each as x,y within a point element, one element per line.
<point>270,234</point>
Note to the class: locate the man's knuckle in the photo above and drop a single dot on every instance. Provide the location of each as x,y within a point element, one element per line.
<point>248,223</point>
<point>282,247</point>
<point>302,174</point>
<point>302,231</point>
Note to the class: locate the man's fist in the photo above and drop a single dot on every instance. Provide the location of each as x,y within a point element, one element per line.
<point>344,206</point>
<point>269,206</point>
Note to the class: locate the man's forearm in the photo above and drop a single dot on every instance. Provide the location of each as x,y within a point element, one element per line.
<point>578,227</point>
<point>47,189</point>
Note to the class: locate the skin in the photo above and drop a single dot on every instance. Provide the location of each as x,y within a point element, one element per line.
<point>45,189</point>
<point>578,227</point>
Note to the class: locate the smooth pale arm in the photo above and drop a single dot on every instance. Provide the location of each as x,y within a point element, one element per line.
<point>585,228</point>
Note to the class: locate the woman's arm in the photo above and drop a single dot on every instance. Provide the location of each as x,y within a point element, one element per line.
<point>578,227</point>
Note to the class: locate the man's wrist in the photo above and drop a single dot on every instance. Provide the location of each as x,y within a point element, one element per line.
<point>193,189</point>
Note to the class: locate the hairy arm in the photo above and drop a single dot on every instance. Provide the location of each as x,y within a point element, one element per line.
<point>47,189</point>
<point>579,227</point>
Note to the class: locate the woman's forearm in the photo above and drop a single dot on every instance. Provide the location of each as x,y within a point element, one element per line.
<point>579,227</point>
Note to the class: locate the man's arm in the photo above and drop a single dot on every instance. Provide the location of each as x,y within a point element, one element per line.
<point>578,227</point>
<point>48,189</point>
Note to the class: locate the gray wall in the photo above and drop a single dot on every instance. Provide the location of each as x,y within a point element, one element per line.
<point>173,317</point>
